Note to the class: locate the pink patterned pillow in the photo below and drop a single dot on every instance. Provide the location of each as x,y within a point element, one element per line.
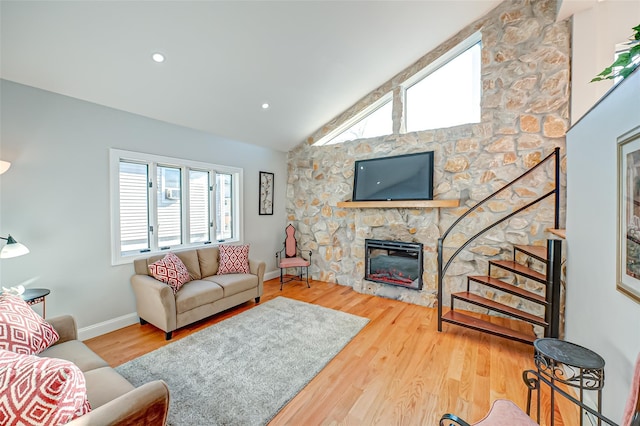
<point>40,391</point>
<point>234,259</point>
<point>170,270</point>
<point>22,330</point>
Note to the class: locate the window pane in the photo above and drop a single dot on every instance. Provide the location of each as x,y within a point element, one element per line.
<point>447,97</point>
<point>134,219</point>
<point>224,206</point>
<point>378,123</point>
<point>198,206</point>
<point>169,206</point>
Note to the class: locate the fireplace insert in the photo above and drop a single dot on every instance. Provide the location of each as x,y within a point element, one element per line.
<point>394,262</point>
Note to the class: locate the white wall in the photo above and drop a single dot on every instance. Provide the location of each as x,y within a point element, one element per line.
<point>55,197</point>
<point>596,31</point>
<point>597,315</point>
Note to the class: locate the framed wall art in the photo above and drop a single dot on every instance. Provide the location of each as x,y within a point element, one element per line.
<point>628,253</point>
<point>265,204</point>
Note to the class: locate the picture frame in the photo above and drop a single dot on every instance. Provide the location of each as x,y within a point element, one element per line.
<point>265,202</point>
<point>628,250</point>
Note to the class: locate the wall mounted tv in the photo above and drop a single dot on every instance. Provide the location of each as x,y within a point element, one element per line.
<point>402,177</point>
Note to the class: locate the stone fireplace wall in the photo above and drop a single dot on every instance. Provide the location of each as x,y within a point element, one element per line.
<point>525,80</point>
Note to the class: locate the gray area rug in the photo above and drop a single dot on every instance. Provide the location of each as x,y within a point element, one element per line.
<point>243,370</point>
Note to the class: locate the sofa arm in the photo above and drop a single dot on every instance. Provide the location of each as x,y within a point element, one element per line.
<point>66,327</point>
<point>145,405</point>
<point>155,302</point>
<point>257,267</point>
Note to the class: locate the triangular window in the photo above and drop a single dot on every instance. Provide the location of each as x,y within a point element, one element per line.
<point>376,120</point>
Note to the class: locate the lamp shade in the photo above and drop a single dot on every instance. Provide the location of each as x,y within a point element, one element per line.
<point>4,166</point>
<point>12,249</point>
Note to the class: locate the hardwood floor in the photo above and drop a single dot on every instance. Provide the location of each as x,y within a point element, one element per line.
<point>397,370</point>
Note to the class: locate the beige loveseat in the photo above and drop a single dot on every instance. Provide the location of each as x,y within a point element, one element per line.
<point>206,295</point>
<point>114,401</point>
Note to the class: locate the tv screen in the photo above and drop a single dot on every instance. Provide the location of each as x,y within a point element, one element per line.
<point>403,177</point>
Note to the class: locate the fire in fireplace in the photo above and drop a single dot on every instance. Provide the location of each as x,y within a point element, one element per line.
<point>394,262</point>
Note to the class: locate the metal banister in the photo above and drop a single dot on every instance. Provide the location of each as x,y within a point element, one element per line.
<point>442,268</point>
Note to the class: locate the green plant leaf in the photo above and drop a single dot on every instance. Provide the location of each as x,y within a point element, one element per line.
<point>626,71</point>
<point>624,64</point>
<point>622,60</point>
<point>606,71</point>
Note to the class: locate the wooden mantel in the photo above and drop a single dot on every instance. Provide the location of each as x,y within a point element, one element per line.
<point>413,204</point>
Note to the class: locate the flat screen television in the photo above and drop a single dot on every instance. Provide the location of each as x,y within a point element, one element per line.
<point>402,177</point>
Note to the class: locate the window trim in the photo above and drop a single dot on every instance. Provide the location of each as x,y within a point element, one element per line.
<point>361,115</point>
<point>471,41</point>
<point>116,155</point>
<point>443,60</point>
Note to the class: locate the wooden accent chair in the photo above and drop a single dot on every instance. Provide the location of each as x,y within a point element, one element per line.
<point>292,257</point>
<point>505,413</point>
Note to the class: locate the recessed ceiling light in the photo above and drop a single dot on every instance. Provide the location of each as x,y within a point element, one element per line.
<point>265,105</point>
<point>158,57</point>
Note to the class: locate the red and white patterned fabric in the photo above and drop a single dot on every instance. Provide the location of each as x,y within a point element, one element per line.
<point>170,270</point>
<point>234,259</point>
<point>40,391</point>
<point>22,330</point>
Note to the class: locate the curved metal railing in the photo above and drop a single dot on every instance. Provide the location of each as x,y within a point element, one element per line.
<point>442,267</point>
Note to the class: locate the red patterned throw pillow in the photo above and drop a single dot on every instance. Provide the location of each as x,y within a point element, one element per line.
<point>234,259</point>
<point>170,270</point>
<point>22,330</point>
<point>40,391</point>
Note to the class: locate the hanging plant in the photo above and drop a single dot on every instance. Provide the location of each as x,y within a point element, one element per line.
<point>626,62</point>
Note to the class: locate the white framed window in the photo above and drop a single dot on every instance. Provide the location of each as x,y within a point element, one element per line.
<point>375,120</point>
<point>447,92</point>
<point>162,203</point>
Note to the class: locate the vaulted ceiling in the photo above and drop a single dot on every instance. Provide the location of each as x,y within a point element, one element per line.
<point>309,60</point>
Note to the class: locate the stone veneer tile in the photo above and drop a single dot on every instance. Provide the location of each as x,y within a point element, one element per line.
<point>525,81</point>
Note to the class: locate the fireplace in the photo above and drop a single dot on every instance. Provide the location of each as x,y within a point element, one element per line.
<point>394,262</point>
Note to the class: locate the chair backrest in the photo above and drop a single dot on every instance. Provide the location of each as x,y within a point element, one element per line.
<point>631,415</point>
<point>290,243</point>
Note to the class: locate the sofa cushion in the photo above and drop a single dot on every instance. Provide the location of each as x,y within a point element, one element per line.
<point>208,258</point>
<point>76,352</point>
<point>234,259</point>
<point>22,330</point>
<point>104,385</point>
<point>188,257</point>
<point>43,391</point>
<point>235,283</point>
<point>197,293</point>
<point>170,270</point>
<point>190,260</point>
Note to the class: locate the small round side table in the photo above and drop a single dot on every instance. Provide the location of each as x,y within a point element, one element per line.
<point>34,296</point>
<point>569,364</point>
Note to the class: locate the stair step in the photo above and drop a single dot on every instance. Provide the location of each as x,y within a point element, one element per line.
<point>538,252</point>
<point>509,288</point>
<point>515,267</point>
<point>499,307</point>
<point>455,317</point>
<point>562,233</point>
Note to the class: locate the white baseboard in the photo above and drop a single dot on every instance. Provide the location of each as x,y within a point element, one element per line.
<point>101,328</point>
<point>271,275</point>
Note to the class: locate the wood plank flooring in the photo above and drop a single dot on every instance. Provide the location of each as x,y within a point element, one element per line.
<point>397,371</point>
